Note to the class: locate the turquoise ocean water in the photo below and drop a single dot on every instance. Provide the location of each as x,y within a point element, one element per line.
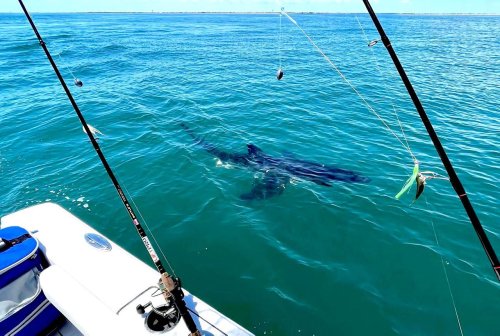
<point>347,259</point>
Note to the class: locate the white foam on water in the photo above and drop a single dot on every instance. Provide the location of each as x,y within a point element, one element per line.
<point>220,163</point>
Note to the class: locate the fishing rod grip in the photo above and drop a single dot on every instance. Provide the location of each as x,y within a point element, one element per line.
<point>172,288</point>
<point>168,283</point>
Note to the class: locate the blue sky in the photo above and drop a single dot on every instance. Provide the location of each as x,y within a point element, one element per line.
<point>380,6</point>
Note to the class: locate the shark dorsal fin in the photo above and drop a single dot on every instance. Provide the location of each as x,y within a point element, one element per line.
<point>252,149</point>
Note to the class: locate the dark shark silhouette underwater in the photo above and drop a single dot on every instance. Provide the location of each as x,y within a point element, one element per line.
<point>277,171</point>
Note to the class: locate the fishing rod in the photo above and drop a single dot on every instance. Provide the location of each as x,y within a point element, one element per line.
<point>170,286</point>
<point>455,181</point>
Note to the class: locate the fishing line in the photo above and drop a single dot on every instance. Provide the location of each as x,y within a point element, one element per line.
<point>370,44</point>
<point>374,58</point>
<point>64,64</point>
<point>77,82</point>
<point>421,176</point>
<point>446,274</point>
<point>365,102</point>
<point>454,179</point>
<point>279,73</point>
<point>404,135</point>
<point>425,175</point>
<point>279,49</point>
<point>206,321</point>
<point>143,220</point>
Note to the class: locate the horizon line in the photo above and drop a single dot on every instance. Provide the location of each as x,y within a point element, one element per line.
<point>256,13</point>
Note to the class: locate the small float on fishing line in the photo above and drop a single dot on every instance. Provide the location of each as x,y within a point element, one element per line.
<point>78,82</point>
<point>279,74</point>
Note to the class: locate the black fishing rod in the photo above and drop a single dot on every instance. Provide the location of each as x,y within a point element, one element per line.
<point>455,181</point>
<point>170,286</point>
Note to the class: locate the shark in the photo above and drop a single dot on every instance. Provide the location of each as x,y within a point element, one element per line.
<point>277,170</point>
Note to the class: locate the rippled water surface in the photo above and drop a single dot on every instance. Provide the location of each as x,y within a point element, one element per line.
<point>316,260</point>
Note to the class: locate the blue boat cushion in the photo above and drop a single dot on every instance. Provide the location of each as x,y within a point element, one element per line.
<point>24,309</point>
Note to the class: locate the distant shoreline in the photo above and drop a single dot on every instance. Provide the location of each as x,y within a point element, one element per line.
<point>263,13</point>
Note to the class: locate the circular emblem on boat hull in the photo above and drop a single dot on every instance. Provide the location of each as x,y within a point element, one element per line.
<point>97,241</point>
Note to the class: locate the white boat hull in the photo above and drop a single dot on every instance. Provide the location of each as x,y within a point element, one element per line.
<point>98,290</point>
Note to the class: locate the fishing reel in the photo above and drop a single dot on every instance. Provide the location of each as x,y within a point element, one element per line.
<point>161,318</point>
